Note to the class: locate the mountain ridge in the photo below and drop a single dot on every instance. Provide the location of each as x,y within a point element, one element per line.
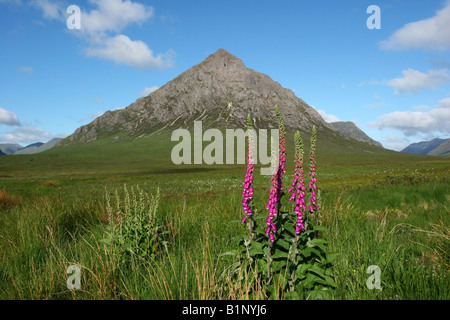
<point>351,130</point>
<point>434,147</point>
<point>38,147</point>
<point>10,148</point>
<point>220,91</point>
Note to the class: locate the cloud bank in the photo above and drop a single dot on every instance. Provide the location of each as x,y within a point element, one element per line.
<point>8,118</point>
<point>428,34</point>
<point>26,135</point>
<point>148,90</point>
<point>102,29</point>
<point>414,81</point>
<point>412,123</point>
<point>328,117</point>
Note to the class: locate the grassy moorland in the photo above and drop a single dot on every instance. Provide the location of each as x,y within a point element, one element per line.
<point>380,208</point>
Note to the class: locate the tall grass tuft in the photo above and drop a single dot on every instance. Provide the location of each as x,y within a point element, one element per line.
<point>8,201</point>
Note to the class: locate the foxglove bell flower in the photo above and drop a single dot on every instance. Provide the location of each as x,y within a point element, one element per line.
<point>276,180</point>
<point>247,193</point>
<point>312,172</point>
<point>297,189</point>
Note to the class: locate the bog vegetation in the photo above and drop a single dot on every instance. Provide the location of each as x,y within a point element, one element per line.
<point>141,229</point>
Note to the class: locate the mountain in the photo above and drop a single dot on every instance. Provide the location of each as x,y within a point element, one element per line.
<point>220,91</point>
<point>38,147</point>
<point>10,148</point>
<point>28,148</point>
<point>435,147</point>
<point>350,130</point>
<point>442,150</point>
<point>2,153</point>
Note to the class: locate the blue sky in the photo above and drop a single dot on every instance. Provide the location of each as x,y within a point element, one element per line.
<point>393,82</point>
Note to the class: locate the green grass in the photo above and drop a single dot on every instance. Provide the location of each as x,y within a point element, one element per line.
<point>381,208</point>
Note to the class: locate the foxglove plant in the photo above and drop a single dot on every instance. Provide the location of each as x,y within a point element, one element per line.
<point>312,173</point>
<point>298,189</point>
<point>135,231</point>
<point>247,193</point>
<point>292,260</point>
<point>276,180</point>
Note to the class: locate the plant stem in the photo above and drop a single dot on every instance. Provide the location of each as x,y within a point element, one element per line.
<point>293,262</point>
<point>269,261</point>
<point>250,228</point>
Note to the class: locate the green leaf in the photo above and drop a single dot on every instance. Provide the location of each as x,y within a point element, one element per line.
<point>319,243</point>
<point>290,228</point>
<point>229,253</point>
<point>278,265</point>
<point>301,270</point>
<point>280,254</point>
<point>262,266</point>
<point>315,268</point>
<point>292,295</point>
<point>330,281</point>
<point>282,243</point>
<point>331,257</point>
<point>257,245</point>
<point>309,281</point>
<point>254,252</point>
<point>320,228</point>
<point>309,251</point>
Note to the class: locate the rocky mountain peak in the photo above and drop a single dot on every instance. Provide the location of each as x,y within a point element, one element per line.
<point>220,91</point>
<point>222,59</point>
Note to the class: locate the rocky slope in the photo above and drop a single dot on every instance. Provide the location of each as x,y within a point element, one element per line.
<point>350,130</point>
<point>220,91</point>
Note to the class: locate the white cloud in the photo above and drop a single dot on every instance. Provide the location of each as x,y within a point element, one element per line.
<point>414,81</point>
<point>114,15</point>
<point>134,53</point>
<point>8,118</point>
<point>394,142</point>
<point>101,28</point>
<point>371,83</point>
<point>51,10</point>
<point>328,117</point>
<point>430,34</point>
<point>90,117</point>
<point>29,135</point>
<point>98,100</point>
<point>25,70</point>
<point>422,107</point>
<point>148,90</point>
<point>13,2</point>
<point>416,122</point>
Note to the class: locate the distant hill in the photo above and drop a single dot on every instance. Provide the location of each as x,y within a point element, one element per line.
<point>435,147</point>
<point>38,147</point>
<point>442,150</point>
<point>29,148</point>
<point>350,130</point>
<point>2,153</point>
<point>10,148</point>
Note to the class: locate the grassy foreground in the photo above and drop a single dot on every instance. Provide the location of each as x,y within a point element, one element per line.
<point>381,208</point>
